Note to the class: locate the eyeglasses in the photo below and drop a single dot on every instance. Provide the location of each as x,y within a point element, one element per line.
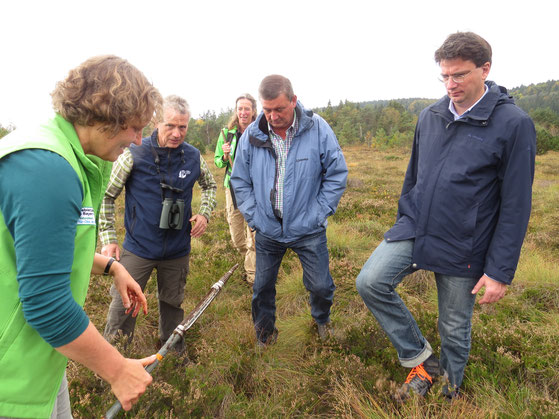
<point>456,78</point>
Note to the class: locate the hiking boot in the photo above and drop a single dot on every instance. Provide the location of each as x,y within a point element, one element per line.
<point>270,340</point>
<point>249,278</point>
<point>451,393</point>
<point>324,331</point>
<point>421,378</point>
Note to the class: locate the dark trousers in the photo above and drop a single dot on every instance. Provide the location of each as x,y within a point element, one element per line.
<point>313,254</point>
<point>171,279</point>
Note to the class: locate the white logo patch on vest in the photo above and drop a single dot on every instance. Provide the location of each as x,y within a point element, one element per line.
<point>87,216</point>
<point>184,173</point>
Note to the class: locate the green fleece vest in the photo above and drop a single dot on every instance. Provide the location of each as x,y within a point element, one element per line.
<point>30,369</point>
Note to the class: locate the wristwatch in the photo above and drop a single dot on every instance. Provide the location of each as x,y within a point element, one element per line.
<point>108,267</point>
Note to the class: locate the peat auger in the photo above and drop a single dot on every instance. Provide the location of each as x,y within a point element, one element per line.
<point>179,331</point>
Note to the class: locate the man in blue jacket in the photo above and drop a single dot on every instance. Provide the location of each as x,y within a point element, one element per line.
<point>462,214</point>
<point>288,178</point>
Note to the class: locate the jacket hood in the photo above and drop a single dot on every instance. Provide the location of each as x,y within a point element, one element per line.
<point>258,130</point>
<point>496,95</point>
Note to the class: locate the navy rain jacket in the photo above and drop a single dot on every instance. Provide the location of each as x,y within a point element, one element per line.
<point>178,167</point>
<point>467,193</point>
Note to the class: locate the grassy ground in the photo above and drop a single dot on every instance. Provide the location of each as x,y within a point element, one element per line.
<point>513,369</point>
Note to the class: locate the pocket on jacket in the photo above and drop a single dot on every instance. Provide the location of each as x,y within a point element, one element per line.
<point>12,328</point>
<point>265,221</point>
<point>304,169</point>
<point>469,222</point>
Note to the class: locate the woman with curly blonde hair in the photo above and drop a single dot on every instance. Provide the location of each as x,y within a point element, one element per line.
<point>52,180</point>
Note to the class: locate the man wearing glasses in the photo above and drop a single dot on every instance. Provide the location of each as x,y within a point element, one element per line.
<point>158,176</point>
<point>462,214</point>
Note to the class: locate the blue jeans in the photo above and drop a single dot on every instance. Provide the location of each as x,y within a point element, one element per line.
<point>377,282</point>
<point>313,254</point>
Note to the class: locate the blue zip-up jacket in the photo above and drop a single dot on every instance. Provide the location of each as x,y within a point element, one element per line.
<point>467,193</point>
<point>178,167</point>
<point>315,178</point>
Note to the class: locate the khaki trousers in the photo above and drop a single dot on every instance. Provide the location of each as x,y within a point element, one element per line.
<point>241,236</point>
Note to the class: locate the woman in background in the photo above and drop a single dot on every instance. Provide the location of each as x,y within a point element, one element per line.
<point>241,235</point>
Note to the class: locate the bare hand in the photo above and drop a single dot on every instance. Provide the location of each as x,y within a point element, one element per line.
<point>226,147</point>
<point>494,290</point>
<point>130,291</point>
<point>127,377</point>
<point>111,250</point>
<point>131,381</point>
<point>199,224</point>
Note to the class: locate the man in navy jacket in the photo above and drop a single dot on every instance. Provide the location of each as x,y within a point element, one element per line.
<point>288,178</point>
<point>463,214</point>
<point>158,176</point>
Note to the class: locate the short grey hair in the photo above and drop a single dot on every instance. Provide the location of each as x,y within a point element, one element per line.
<point>177,103</point>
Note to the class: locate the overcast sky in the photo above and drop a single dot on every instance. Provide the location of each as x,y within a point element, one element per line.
<point>210,51</point>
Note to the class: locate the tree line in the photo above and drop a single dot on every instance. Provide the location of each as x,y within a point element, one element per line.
<point>390,123</point>
<point>382,124</point>
<point>541,101</point>
<point>385,124</point>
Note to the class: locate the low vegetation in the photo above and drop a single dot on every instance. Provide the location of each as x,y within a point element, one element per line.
<point>513,370</point>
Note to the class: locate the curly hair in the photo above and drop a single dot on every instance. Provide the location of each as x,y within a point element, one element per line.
<point>108,90</point>
<point>234,121</point>
<point>467,46</point>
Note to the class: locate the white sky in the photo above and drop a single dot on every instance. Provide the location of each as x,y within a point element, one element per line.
<point>211,51</point>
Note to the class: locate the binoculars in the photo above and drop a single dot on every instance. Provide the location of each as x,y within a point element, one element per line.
<point>172,214</point>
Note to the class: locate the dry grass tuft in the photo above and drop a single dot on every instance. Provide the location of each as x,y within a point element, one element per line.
<point>514,359</point>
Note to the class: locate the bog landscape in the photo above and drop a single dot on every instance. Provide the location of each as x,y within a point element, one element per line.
<point>513,369</point>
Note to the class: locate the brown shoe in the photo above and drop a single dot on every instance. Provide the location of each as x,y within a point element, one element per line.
<point>324,331</point>
<point>249,278</point>
<point>270,340</point>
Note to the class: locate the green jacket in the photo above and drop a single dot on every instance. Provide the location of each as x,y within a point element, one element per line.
<point>230,135</point>
<point>30,369</point>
